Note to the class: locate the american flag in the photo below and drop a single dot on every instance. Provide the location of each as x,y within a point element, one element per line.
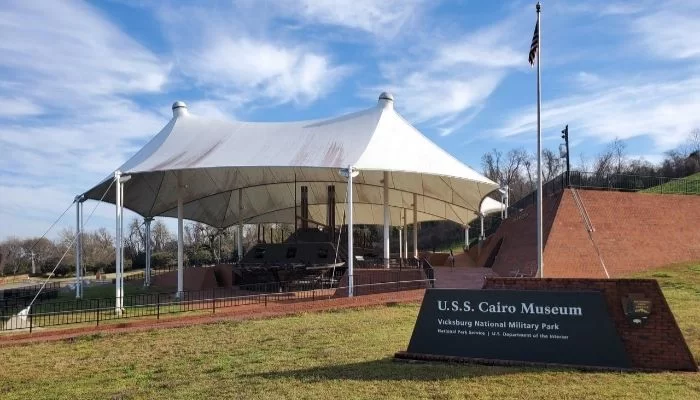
<point>535,44</point>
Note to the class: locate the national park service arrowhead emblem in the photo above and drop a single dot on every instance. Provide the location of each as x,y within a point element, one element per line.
<point>637,308</point>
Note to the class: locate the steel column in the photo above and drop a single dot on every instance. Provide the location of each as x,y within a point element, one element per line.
<point>415,225</point>
<point>240,225</point>
<point>387,220</point>
<point>180,236</point>
<point>466,236</point>
<point>351,259</point>
<point>147,245</point>
<point>405,236</point>
<point>119,295</point>
<point>77,247</point>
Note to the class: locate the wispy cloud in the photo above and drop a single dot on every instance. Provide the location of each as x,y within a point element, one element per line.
<point>670,34</point>
<point>71,119</point>
<point>234,59</point>
<point>380,18</point>
<point>262,69</point>
<point>18,107</point>
<point>658,103</point>
<point>662,111</point>
<point>588,80</point>
<point>448,84</point>
<point>429,97</point>
<point>490,47</point>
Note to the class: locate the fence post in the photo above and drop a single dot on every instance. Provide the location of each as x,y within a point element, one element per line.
<point>98,312</point>
<point>31,320</point>
<point>158,306</point>
<point>266,300</point>
<point>213,301</point>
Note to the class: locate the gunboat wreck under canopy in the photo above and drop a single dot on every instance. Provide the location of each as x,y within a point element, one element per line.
<point>214,160</point>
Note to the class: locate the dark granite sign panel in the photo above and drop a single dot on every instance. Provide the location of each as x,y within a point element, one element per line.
<point>560,327</point>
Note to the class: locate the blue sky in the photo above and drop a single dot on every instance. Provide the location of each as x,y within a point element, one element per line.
<point>84,84</point>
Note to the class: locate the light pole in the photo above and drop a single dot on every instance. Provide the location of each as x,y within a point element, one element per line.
<point>565,136</point>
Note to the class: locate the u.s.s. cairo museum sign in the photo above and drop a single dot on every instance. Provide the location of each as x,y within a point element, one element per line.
<point>550,327</point>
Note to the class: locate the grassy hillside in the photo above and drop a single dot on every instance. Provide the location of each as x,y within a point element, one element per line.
<point>344,354</point>
<point>692,186</point>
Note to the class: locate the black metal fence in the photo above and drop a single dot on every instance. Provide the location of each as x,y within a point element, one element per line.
<point>617,182</point>
<point>633,183</point>
<point>98,311</point>
<point>20,297</point>
<point>553,186</point>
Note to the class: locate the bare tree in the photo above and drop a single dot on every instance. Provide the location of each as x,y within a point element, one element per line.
<point>98,248</point>
<point>161,236</point>
<point>491,163</point>
<point>10,255</point>
<point>551,166</point>
<point>583,164</point>
<point>692,143</point>
<point>530,168</point>
<point>135,240</point>
<point>508,170</point>
<point>137,235</point>
<point>617,148</point>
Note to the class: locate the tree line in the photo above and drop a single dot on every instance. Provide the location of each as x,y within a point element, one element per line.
<point>517,167</point>
<point>203,245</point>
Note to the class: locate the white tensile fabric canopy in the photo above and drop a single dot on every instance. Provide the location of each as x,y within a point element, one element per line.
<point>216,162</point>
<point>491,206</point>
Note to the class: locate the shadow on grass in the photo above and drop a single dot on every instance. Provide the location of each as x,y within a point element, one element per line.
<point>387,369</point>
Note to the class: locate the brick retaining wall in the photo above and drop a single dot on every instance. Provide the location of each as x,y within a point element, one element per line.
<point>633,231</point>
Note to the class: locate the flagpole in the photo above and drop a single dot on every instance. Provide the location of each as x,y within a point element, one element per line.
<point>540,261</point>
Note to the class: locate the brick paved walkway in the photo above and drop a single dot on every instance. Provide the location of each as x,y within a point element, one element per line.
<point>461,277</point>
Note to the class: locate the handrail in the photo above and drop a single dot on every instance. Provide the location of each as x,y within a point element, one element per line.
<point>582,210</point>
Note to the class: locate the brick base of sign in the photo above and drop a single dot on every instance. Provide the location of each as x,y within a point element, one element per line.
<point>417,357</point>
<point>658,344</point>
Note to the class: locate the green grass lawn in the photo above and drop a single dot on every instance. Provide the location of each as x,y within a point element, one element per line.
<point>343,354</point>
<point>688,185</point>
<point>106,291</point>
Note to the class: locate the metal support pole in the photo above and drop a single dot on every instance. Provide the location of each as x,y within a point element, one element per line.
<point>466,236</point>
<point>387,222</point>
<point>240,225</point>
<point>118,243</point>
<point>400,243</point>
<point>180,237</point>
<point>482,235</point>
<point>221,233</point>
<point>80,238</point>
<point>122,179</point>
<point>405,236</point>
<point>503,200</point>
<point>77,247</point>
<point>540,258</point>
<point>147,273</point>
<point>415,225</point>
<point>351,257</point>
<point>507,200</point>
